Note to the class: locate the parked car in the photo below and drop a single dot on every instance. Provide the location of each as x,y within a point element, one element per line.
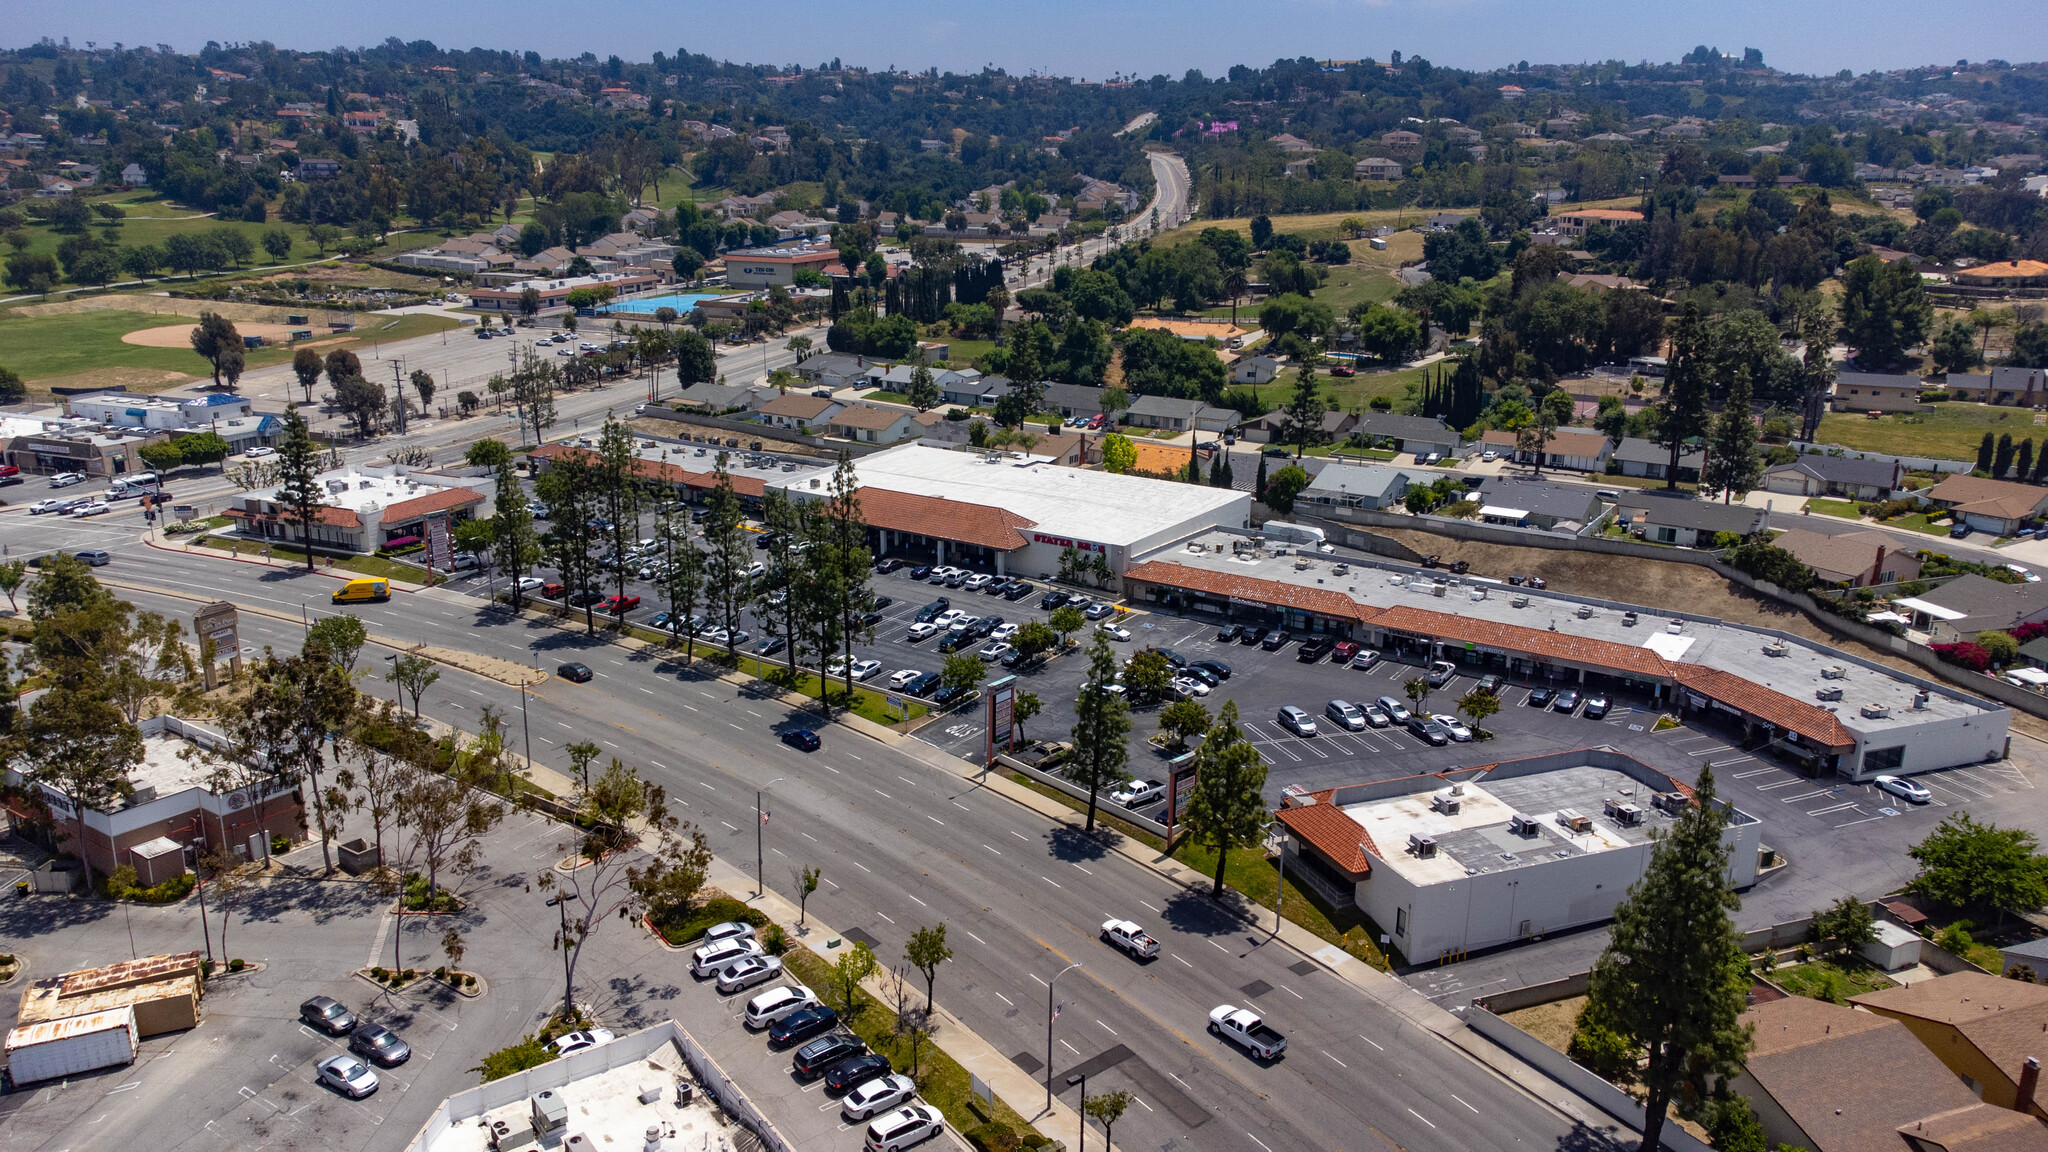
<point>1541,697</point>
<point>1346,715</point>
<point>1228,633</point>
<point>1429,730</point>
<point>1296,720</point>
<point>855,1070</point>
<point>1187,687</point>
<point>1489,685</point>
<point>814,1058</point>
<point>1597,707</point>
<point>899,679</point>
<point>903,1128</point>
<point>1441,672</point>
<point>1314,648</point>
<point>1019,589</point>
<point>1052,600</point>
<point>1114,631</point>
<point>1459,732</point>
<point>1137,794</point>
<point>1216,668</point>
<point>923,685</point>
<point>1374,715</point>
<point>877,1095</point>
<point>995,650</point>
<point>714,957</point>
<point>575,671</point>
<point>1099,609</point>
<point>328,1015</point>
<point>887,565</point>
<point>379,1044</point>
<point>747,972</point>
<point>770,646</point>
<point>1905,789</point>
<point>729,930</point>
<point>1130,938</point>
<point>1567,701</point>
<point>806,1021</point>
<point>777,1004</point>
<point>1197,672</point>
<point>802,739</point>
<point>1394,709</point>
<point>1365,659</point>
<point>1273,640</point>
<point>1344,652</point>
<point>348,1076</point>
<point>579,1040</point>
<point>67,479</point>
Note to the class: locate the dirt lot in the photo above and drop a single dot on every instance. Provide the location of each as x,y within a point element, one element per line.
<point>174,306</point>
<point>1551,1023</point>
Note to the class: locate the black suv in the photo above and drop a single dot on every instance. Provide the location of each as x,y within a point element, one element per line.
<point>1172,657</point>
<point>1052,600</point>
<point>848,1074</point>
<point>930,612</point>
<point>923,684</point>
<point>1018,590</point>
<point>814,1058</point>
<point>1315,649</point>
<point>801,1023</point>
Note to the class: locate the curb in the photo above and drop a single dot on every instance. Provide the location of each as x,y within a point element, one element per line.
<point>329,572</point>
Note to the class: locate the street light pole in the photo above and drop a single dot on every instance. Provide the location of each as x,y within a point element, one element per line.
<point>760,822</point>
<point>1280,894</point>
<point>524,725</point>
<point>1049,1014</point>
<point>1082,1079</point>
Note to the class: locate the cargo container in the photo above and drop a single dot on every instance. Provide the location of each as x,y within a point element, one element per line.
<point>71,1046</point>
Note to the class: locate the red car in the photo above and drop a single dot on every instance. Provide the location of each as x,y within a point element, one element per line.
<point>1343,652</point>
<point>1343,370</point>
<point>619,605</point>
<point>554,590</point>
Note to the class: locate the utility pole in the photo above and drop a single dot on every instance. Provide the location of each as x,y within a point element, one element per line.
<point>398,386</point>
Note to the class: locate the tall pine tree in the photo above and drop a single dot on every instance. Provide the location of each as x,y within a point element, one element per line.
<point>299,492</point>
<point>1734,465</point>
<point>1683,404</point>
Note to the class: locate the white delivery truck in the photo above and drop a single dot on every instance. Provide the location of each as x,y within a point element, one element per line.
<point>70,1046</point>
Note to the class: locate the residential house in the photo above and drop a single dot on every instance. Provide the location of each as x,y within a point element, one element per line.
<point>51,187</point>
<point>1841,477</point>
<point>1421,435</point>
<point>1832,1079</point>
<point>1595,283</point>
<point>1300,169</point>
<point>1401,138</point>
<point>1971,604</point>
<point>1288,142</point>
<point>1267,429</point>
<point>799,412</point>
<point>1995,506</point>
<point>1652,461</point>
<point>1372,486</point>
<point>1537,504</point>
<point>1985,1028</point>
<point>175,804</point>
<point>1255,370</point>
<point>1876,392</point>
<point>2025,387</point>
<point>134,177</point>
<point>1576,222</point>
<point>971,388</point>
<point>1855,559</point>
<point>869,424</point>
<point>714,398</point>
<point>1377,168</point>
<point>1687,523</point>
<point>1179,415</point>
<point>832,369</point>
<point>1444,221</point>
<point>1071,400</point>
<point>317,169</point>
<point>1575,449</point>
<point>2004,274</point>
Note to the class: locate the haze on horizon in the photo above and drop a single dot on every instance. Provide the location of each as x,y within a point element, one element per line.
<point>1101,38</point>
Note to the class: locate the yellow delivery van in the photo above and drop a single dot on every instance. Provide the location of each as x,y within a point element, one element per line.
<point>368,588</point>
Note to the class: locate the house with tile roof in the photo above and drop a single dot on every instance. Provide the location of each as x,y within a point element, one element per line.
<point>1854,559</point>
<point>872,424</point>
<point>799,412</point>
<point>1984,1028</point>
<point>1999,507</point>
<point>1833,1079</point>
<point>1480,857</point>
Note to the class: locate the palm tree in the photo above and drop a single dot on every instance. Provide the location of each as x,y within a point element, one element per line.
<point>1234,283</point>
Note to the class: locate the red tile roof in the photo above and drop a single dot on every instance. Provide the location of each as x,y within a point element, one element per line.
<point>1340,839</point>
<point>1540,643</point>
<point>1809,720</point>
<point>1321,601</point>
<point>441,500</point>
<point>654,470</point>
<point>944,519</point>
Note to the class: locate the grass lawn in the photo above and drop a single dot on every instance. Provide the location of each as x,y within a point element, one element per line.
<point>46,346</point>
<point>867,703</point>
<point>1831,980</point>
<point>940,1079</point>
<point>151,219</point>
<point>1951,431</point>
<point>285,554</point>
<point>1251,873</point>
<point>1352,393</point>
<point>1846,509</point>
<point>961,353</point>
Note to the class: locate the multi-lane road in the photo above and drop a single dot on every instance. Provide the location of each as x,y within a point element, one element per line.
<point>906,840</point>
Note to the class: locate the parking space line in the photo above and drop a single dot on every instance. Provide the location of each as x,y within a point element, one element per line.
<point>1780,784</point>
<point>1753,772</point>
<point>1804,795</point>
<point>1836,808</point>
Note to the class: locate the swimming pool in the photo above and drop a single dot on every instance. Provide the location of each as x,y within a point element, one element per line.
<point>648,305</point>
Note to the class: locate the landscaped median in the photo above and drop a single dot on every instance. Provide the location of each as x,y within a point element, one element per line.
<point>285,554</point>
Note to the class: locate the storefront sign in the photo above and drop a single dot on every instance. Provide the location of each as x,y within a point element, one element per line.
<point>1063,542</point>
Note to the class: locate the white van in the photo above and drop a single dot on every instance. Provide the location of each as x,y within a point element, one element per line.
<point>136,485</point>
<point>712,957</point>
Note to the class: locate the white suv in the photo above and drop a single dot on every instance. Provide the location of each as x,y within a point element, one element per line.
<point>905,1127</point>
<point>712,957</point>
<point>776,1003</point>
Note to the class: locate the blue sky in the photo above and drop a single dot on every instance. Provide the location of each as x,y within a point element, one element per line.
<point>1098,38</point>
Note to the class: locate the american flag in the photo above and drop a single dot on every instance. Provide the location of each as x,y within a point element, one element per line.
<point>1057,1009</point>
<point>764,817</point>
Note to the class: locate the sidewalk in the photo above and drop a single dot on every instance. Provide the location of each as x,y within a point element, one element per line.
<point>331,571</point>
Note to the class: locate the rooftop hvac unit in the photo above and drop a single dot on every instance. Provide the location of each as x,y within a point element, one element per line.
<point>1627,815</point>
<point>1673,802</point>
<point>1875,711</point>
<point>1572,820</point>
<point>1834,672</point>
<point>1520,825</point>
<point>1446,803</point>
<point>1585,612</point>
<point>1777,648</point>
<point>1437,590</point>
<point>1457,789</point>
<point>1834,693</point>
<point>1628,619</point>
<point>1520,601</point>
<point>1477,594</point>
<point>550,1112</point>
<point>1422,846</point>
<point>1675,627</point>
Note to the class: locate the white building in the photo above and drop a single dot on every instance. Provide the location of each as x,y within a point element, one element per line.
<point>159,413</point>
<point>365,509</point>
<point>1475,858</point>
<point>1016,515</point>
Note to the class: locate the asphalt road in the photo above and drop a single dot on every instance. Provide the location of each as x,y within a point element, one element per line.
<point>905,843</point>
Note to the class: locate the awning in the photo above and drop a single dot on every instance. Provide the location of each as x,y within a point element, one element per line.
<point>1509,513</point>
<point>1934,610</point>
<point>2033,677</point>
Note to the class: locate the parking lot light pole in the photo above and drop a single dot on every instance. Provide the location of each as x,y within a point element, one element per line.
<point>1050,1015</point>
<point>760,822</point>
<point>1082,1080</point>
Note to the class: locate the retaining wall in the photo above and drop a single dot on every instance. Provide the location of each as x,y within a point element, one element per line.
<point>1555,1065</point>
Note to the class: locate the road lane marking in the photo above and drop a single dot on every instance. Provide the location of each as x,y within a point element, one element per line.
<point>980,941</point>
<point>883,795</point>
<point>962,807</point>
<point>702,784</point>
<point>1461,1100</point>
<point>999,995</point>
<point>1184,962</point>
<point>1292,992</point>
<point>659,764</point>
<point>859,865</point>
<point>1106,1028</point>
<point>1372,1042</point>
<point>1420,1116</point>
<point>992,850</point>
<point>908,780</point>
<point>734,827</point>
<point>1051,881</point>
<point>1255,1139</point>
<point>1082,869</point>
<point>1218,947</point>
<point>916,901</point>
<point>1020,836</point>
<point>936,820</point>
<point>1148,905</point>
<point>885,916</point>
<point>1334,1060</point>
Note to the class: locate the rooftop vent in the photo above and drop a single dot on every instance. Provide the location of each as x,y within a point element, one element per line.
<point>1675,627</point>
<point>1834,672</point>
<point>1920,700</point>
<point>1572,820</point>
<point>1437,590</point>
<point>1477,594</point>
<point>1832,693</point>
<point>1422,846</point>
<point>1521,825</point>
<point>1628,619</point>
<point>1627,815</point>
<point>1585,612</point>
<point>1874,711</point>
<point>1520,601</point>
<point>1777,648</point>
<point>1446,803</point>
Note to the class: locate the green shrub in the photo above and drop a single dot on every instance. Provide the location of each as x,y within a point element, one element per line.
<point>528,1053</point>
<point>774,940</point>
<point>122,884</point>
<point>681,924</point>
<point>1602,1051</point>
<point>279,845</point>
<point>416,896</point>
<point>237,964</point>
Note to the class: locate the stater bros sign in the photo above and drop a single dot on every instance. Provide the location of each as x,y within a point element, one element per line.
<point>1063,542</point>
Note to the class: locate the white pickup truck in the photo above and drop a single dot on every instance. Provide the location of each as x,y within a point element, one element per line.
<point>1247,1030</point>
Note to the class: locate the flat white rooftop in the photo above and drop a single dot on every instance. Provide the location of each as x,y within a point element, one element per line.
<point>170,764</point>
<point>1102,507</point>
<point>605,1109</point>
<point>1802,669</point>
